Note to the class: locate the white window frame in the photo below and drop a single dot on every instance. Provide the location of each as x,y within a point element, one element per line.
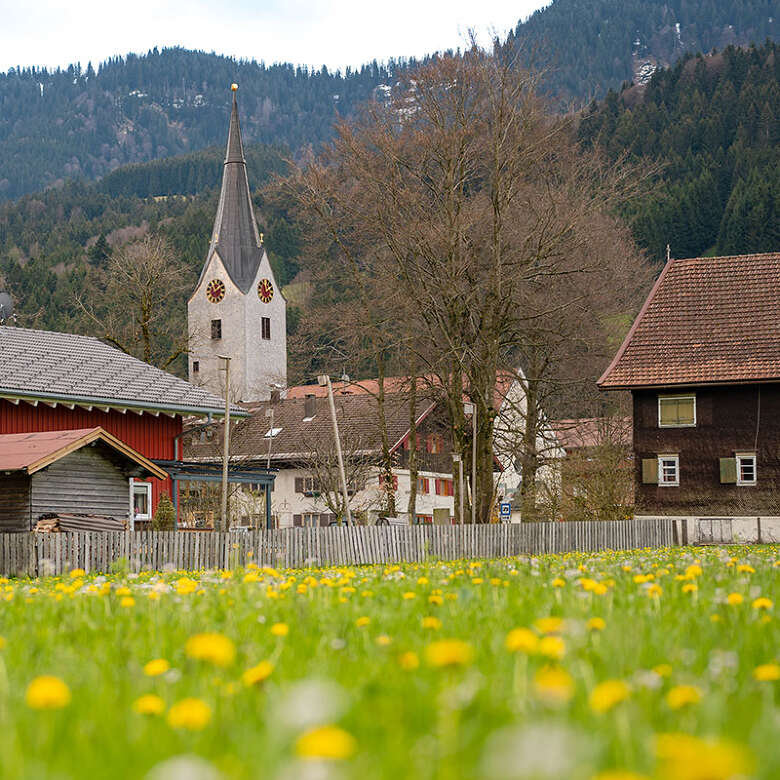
<point>661,481</point>
<point>740,456</point>
<point>147,488</point>
<point>685,397</point>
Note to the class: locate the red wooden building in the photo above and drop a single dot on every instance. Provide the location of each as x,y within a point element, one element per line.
<point>61,381</point>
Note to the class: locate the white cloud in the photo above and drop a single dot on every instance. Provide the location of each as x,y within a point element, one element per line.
<point>314,32</point>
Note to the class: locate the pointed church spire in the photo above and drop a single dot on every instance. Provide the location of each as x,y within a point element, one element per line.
<point>235,148</point>
<point>235,237</point>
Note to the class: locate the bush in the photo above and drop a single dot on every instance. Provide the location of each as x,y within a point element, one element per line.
<point>165,516</point>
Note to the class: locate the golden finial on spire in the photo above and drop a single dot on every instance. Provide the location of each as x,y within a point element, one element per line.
<point>234,86</point>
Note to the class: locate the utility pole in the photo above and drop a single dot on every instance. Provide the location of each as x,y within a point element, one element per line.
<point>323,380</point>
<point>269,412</point>
<point>456,458</point>
<point>223,521</point>
<point>471,409</point>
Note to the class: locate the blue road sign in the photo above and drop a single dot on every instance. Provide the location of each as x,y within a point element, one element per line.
<point>505,509</point>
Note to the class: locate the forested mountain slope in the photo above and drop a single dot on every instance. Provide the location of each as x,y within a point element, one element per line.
<point>714,124</point>
<point>590,46</point>
<point>84,122</point>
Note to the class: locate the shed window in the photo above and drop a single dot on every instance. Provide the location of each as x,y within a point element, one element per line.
<point>668,470</point>
<point>746,468</point>
<point>142,501</point>
<point>676,411</point>
<point>216,329</point>
<point>265,327</point>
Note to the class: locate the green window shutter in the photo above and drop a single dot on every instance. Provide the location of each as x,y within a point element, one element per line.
<point>728,471</point>
<point>650,471</point>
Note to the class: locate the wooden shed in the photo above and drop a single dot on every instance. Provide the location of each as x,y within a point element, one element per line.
<point>86,471</point>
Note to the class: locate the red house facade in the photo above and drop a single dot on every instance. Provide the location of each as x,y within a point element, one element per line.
<point>59,381</point>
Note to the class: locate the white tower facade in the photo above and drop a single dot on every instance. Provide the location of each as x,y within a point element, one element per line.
<point>237,309</point>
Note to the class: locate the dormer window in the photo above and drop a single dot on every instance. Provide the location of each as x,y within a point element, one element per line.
<point>676,411</point>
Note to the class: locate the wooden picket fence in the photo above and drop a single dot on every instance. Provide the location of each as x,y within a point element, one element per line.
<point>43,554</point>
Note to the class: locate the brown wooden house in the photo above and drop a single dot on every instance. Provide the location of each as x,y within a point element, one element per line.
<point>702,362</point>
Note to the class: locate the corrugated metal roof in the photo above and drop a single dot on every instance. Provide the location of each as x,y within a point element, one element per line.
<point>31,452</point>
<point>45,364</point>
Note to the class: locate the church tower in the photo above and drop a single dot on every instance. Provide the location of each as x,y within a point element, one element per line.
<point>237,309</point>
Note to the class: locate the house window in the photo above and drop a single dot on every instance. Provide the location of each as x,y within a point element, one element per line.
<point>195,366</point>
<point>746,468</point>
<point>423,485</point>
<point>309,486</point>
<point>668,470</point>
<point>142,500</point>
<point>265,327</point>
<point>445,487</point>
<point>216,329</point>
<point>676,411</point>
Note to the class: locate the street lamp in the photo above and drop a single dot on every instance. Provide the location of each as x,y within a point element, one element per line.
<point>456,458</point>
<point>471,409</point>
<point>323,380</point>
<point>225,446</point>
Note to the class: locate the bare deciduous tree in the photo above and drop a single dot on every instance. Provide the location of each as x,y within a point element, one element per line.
<point>131,302</point>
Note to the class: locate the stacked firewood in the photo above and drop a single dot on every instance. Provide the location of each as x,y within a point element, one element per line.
<point>60,522</point>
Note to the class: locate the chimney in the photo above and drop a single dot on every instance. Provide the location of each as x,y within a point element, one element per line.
<point>276,396</point>
<point>309,406</point>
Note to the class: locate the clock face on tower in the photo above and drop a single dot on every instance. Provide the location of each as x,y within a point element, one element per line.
<point>215,290</point>
<point>265,290</point>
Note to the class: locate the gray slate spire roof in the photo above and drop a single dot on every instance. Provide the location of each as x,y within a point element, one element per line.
<point>235,237</point>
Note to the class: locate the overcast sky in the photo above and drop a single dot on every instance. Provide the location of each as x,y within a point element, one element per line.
<point>308,32</point>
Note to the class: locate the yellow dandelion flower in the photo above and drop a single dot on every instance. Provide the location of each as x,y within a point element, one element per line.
<point>127,601</point>
<point>690,587</point>
<point>558,583</point>
<point>156,667</point>
<point>326,743</point>
<point>552,647</point>
<point>408,661</point>
<point>212,647</point>
<point>553,685</point>
<point>522,640</point>
<point>549,625</point>
<point>280,629</point>
<point>185,585</point>
<point>745,568</point>
<point>663,670</point>
<point>47,693</point>
<point>596,624</point>
<point>383,640</point>
<point>694,571</point>
<point>362,621</point>
<point>257,673</point>
<point>123,591</point>
<point>436,599</point>
<point>74,573</point>
<point>619,774</point>
<point>608,694</point>
<point>409,595</point>
<point>682,695</point>
<point>431,622</point>
<point>149,704</point>
<point>689,758</point>
<point>762,602</point>
<point>422,580</point>
<point>3,642</point>
<point>767,672</point>
<point>449,652</point>
<point>191,714</point>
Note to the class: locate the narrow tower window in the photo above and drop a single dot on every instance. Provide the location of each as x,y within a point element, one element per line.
<point>195,366</point>
<point>216,329</point>
<point>265,324</point>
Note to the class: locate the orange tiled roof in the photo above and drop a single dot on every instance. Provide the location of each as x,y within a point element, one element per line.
<point>707,320</point>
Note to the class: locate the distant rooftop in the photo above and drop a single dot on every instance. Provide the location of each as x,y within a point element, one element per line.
<point>46,365</point>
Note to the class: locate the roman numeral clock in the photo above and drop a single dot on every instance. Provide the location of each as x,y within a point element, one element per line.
<point>265,290</point>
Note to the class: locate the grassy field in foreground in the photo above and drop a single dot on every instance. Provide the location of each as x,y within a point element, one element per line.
<point>617,665</point>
